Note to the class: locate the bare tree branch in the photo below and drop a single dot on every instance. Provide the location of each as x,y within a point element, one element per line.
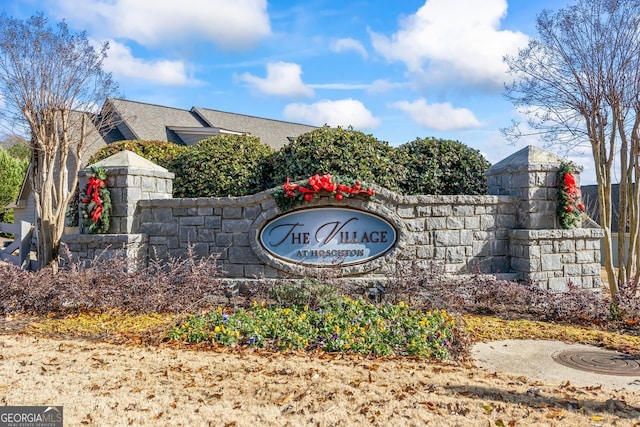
<point>579,81</point>
<point>53,80</point>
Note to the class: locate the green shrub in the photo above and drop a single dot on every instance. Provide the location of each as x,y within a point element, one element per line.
<point>158,152</point>
<point>439,166</point>
<point>12,172</point>
<point>222,165</point>
<point>20,150</point>
<point>336,151</point>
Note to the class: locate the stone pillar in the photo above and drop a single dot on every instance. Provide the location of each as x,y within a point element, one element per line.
<point>530,176</point>
<point>130,178</point>
<point>540,250</point>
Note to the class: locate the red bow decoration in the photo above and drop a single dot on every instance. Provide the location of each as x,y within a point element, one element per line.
<point>317,183</point>
<point>93,191</point>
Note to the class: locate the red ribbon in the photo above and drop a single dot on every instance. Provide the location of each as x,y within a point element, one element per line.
<point>93,191</point>
<point>324,182</point>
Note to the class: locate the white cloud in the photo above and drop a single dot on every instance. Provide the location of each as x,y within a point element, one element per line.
<point>383,85</point>
<point>344,45</point>
<point>230,24</point>
<point>377,86</point>
<point>453,40</point>
<point>123,64</point>
<point>283,79</point>
<point>343,112</point>
<point>439,116</point>
<point>340,86</point>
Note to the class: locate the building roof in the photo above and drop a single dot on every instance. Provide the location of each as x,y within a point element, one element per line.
<point>590,199</point>
<point>141,121</point>
<point>138,120</point>
<point>274,133</point>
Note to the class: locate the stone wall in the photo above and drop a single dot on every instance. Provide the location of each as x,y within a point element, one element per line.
<point>555,257</point>
<point>86,248</point>
<point>511,231</point>
<point>467,234</point>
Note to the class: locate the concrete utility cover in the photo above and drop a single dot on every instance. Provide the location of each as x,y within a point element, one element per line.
<point>538,359</point>
<point>600,362</point>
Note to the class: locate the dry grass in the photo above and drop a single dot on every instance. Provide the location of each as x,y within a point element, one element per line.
<point>131,383</point>
<point>483,328</point>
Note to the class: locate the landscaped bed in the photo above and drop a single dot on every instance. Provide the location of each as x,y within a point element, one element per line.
<point>166,347</point>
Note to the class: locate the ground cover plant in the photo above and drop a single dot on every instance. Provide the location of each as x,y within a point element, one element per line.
<point>346,325</point>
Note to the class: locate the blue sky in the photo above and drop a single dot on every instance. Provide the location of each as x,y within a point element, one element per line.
<point>395,69</point>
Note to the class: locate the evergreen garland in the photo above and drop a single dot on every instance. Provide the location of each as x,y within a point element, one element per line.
<point>570,207</point>
<point>96,208</point>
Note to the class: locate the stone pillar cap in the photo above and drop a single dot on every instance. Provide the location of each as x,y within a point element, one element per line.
<point>529,158</point>
<point>129,160</point>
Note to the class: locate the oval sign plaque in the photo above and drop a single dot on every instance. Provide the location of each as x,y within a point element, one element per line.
<point>328,236</point>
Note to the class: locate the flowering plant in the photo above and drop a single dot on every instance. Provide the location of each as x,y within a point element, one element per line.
<point>570,207</point>
<point>293,193</point>
<point>96,203</point>
<point>346,325</point>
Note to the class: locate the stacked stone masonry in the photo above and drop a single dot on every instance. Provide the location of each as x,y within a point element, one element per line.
<point>467,234</point>
<point>512,230</point>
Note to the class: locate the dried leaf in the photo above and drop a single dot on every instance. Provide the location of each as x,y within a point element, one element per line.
<point>285,399</point>
<point>555,413</point>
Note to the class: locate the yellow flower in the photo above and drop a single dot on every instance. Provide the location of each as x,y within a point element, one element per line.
<point>337,329</point>
<point>402,304</point>
<point>216,329</point>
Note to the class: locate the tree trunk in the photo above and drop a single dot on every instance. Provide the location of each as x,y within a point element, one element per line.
<point>603,177</point>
